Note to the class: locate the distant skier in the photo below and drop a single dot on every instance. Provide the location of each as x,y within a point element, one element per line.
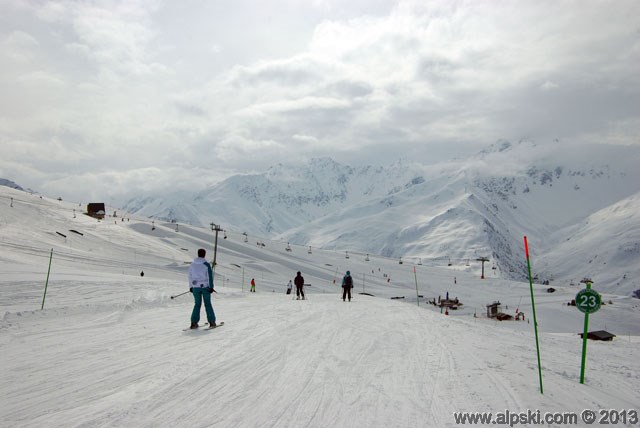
<point>347,285</point>
<point>253,285</point>
<point>299,281</point>
<point>201,285</point>
<point>289,287</point>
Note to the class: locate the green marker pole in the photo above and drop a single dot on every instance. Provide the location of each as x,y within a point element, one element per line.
<point>584,341</point>
<point>533,306</point>
<point>47,282</point>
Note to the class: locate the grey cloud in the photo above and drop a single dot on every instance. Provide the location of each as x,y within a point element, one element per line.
<point>569,108</point>
<point>135,87</point>
<point>18,41</point>
<point>190,109</point>
<point>347,89</point>
<point>300,71</point>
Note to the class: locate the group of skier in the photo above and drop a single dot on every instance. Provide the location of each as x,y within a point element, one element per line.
<point>347,285</point>
<point>201,286</point>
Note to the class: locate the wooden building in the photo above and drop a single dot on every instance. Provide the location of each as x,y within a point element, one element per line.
<point>96,210</point>
<point>599,335</point>
<point>493,309</point>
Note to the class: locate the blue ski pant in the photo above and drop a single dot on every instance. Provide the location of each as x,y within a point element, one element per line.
<point>199,295</point>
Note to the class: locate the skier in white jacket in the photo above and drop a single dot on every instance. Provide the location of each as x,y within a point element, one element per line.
<point>201,285</point>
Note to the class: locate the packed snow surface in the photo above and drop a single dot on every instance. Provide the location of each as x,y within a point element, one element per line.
<point>109,348</point>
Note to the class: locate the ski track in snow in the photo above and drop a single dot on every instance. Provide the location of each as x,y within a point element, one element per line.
<point>276,363</point>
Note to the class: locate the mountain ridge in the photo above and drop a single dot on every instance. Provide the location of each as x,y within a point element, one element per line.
<point>459,210</point>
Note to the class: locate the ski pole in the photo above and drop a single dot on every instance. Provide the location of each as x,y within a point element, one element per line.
<point>47,283</point>
<point>173,297</point>
<point>177,295</point>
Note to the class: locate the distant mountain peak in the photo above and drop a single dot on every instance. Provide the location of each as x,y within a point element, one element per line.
<point>500,146</point>
<point>479,206</point>
<point>11,184</point>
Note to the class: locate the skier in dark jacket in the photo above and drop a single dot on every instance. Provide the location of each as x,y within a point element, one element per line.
<point>299,282</point>
<point>347,285</point>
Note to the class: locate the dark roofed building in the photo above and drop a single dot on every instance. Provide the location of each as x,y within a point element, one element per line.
<point>96,210</point>
<point>599,335</point>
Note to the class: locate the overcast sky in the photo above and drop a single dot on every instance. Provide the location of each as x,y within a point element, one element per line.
<point>100,99</point>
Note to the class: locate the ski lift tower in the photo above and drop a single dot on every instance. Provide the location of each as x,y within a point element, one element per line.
<point>216,228</point>
<point>483,260</point>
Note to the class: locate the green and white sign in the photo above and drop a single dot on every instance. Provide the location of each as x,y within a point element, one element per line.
<point>588,301</point>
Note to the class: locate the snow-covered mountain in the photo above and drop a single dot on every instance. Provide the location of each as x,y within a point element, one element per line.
<point>9,183</point>
<point>107,347</point>
<point>606,244</point>
<point>455,211</point>
<point>283,197</point>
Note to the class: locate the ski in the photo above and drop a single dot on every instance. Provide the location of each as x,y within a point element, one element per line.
<point>220,324</point>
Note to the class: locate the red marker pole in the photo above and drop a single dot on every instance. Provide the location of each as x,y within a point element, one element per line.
<point>417,293</point>
<point>533,306</point>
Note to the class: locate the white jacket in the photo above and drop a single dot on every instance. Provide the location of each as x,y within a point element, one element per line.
<point>200,274</point>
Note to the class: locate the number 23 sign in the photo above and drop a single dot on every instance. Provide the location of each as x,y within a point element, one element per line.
<point>588,301</point>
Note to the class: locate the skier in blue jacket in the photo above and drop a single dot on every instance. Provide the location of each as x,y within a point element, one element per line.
<point>201,285</point>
